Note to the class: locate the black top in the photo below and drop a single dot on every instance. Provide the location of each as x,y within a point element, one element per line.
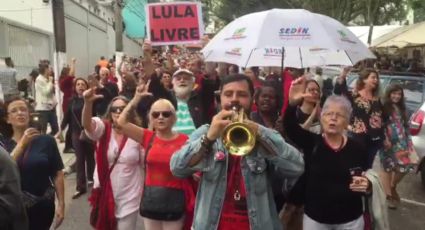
<point>366,120</point>
<point>72,116</point>
<point>328,198</point>
<point>109,91</point>
<point>39,164</point>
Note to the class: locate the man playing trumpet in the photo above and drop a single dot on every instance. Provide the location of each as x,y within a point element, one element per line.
<point>235,191</point>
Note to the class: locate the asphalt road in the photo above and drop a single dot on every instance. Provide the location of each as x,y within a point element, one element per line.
<point>78,211</point>
<point>410,215</point>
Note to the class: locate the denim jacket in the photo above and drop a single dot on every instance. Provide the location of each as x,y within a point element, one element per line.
<point>272,152</point>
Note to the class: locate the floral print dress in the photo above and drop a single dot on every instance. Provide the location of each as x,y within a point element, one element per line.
<point>401,155</point>
<point>366,119</point>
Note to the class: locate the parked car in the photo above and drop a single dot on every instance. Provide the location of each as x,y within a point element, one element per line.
<point>413,85</point>
<point>417,130</point>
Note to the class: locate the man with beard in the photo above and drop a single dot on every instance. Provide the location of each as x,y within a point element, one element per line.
<point>235,191</point>
<point>192,105</point>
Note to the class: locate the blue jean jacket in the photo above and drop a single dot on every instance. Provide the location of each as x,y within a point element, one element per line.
<point>272,152</point>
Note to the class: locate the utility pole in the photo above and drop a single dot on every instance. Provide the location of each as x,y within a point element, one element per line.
<point>59,55</point>
<point>118,40</point>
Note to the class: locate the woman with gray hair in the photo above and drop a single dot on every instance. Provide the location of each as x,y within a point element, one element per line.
<point>335,182</point>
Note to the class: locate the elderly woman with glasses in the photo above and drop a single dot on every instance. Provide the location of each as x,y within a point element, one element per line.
<point>118,174</point>
<point>335,182</point>
<point>165,196</point>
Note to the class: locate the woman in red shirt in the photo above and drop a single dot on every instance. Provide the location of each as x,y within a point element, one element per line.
<point>165,198</point>
<point>66,85</point>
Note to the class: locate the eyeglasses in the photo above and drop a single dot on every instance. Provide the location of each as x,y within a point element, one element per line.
<point>334,114</point>
<point>117,109</point>
<point>311,90</point>
<point>17,110</point>
<point>165,114</point>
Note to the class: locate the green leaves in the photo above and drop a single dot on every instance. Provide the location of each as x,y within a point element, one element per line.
<point>359,12</point>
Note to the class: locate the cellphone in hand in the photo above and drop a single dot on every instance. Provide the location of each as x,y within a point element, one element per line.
<point>357,171</point>
<point>35,121</point>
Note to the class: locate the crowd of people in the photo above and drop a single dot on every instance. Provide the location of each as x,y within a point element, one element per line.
<point>154,146</point>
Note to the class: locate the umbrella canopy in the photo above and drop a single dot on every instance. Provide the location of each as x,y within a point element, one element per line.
<point>412,35</point>
<point>308,39</point>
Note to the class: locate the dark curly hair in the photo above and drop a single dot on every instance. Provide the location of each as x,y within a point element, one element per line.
<point>388,108</point>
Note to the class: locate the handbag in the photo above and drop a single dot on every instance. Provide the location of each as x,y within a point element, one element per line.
<point>83,135</point>
<point>30,199</point>
<point>161,203</point>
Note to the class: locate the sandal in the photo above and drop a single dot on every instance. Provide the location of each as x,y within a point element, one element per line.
<point>394,194</point>
<point>391,203</point>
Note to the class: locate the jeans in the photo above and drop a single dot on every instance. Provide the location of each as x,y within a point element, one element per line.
<point>50,117</point>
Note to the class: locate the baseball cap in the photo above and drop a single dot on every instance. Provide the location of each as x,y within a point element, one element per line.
<point>185,71</point>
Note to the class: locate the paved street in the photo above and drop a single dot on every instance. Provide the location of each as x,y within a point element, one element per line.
<point>409,216</point>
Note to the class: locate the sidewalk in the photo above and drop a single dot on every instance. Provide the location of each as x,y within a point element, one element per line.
<point>67,158</point>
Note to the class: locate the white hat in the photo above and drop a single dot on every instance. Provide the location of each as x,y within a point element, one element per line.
<point>185,71</point>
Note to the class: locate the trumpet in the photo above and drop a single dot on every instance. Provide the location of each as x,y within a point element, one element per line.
<point>238,138</point>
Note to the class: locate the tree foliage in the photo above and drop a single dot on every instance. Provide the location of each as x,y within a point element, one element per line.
<point>359,12</point>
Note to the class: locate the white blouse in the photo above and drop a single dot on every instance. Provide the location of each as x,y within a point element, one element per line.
<point>127,175</point>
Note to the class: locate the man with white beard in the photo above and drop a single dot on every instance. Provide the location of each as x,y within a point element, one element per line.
<point>192,105</point>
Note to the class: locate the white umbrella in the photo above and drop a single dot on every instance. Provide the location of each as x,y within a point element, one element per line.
<point>308,39</point>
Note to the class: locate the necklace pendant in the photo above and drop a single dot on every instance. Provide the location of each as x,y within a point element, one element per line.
<point>237,195</point>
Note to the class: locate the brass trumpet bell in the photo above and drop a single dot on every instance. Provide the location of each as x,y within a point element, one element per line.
<point>238,138</point>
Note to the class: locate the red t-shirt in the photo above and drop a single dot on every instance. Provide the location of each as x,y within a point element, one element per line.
<point>158,171</point>
<point>234,214</point>
<point>257,84</point>
<point>286,85</point>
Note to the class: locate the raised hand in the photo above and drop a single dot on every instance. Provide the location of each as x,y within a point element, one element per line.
<point>141,91</point>
<point>28,136</point>
<point>147,47</point>
<point>297,91</point>
<point>219,122</point>
<point>90,96</point>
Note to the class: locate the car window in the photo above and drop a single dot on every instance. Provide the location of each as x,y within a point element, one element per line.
<point>412,88</point>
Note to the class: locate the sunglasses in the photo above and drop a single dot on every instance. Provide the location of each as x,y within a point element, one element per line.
<point>165,114</point>
<point>117,109</point>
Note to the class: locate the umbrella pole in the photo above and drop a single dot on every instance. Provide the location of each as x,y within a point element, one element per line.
<point>283,59</point>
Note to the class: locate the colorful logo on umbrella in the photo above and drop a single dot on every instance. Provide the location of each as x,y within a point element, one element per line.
<point>344,37</point>
<point>272,52</point>
<point>238,34</point>
<point>294,33</point>
<point>235,51</point>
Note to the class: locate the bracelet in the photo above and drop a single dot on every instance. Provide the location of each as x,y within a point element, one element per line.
<point>205,142</point>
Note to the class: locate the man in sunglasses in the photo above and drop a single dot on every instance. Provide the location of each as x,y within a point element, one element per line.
<point>235,192</point>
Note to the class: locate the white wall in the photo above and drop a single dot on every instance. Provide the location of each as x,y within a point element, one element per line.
<point>33,13</point>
